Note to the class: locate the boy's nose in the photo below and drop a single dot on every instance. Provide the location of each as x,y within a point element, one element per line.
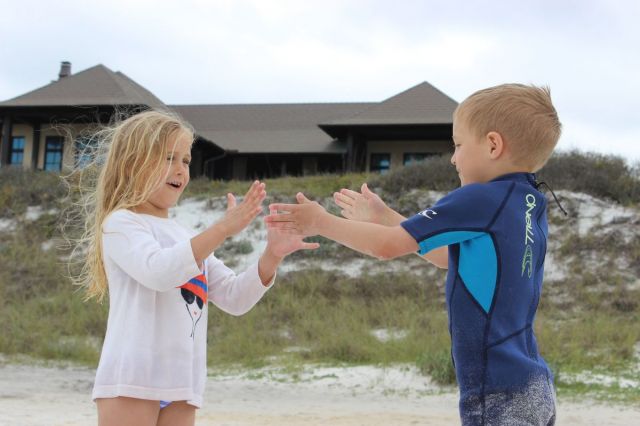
<point>453,159</point>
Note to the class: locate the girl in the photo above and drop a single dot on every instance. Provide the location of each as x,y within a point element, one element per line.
<point>160,275</point>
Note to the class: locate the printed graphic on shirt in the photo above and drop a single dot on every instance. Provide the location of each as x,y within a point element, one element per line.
<point>194,293</point>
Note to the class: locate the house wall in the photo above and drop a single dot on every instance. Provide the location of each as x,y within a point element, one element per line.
<point>263,166</point>
<point>397,149</point>
<point>69,132</point>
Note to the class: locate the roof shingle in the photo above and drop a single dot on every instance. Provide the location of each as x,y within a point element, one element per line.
<point>268,128</point>
<point>97,85</point>
<point>421,104</point>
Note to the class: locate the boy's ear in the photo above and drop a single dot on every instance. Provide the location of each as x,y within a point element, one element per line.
<point>495,144</point>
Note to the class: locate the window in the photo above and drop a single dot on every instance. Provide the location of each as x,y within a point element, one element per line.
<point>17,150</point>
<point>85,151</point>
<point>414,157</point>
<point>53,153</point>
<point>380,163</point>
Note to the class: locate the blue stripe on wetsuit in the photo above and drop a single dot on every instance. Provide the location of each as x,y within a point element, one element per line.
<point>478,264</point>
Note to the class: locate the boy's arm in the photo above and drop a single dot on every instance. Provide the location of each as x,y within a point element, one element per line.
<point>279,245</point>
<point>439,257</point>
<point>309,218</point>
<point>367,206</point>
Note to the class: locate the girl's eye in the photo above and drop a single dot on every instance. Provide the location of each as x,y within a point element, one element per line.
<point>187,162</point>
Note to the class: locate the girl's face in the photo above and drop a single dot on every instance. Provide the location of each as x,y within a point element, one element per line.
<point>175,177</point>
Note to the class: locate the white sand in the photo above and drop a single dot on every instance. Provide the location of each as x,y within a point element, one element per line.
<point>55,396</point>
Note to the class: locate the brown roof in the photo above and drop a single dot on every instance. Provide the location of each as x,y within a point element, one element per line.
<point>257,128</point>
<point>97,85</point>
<point>269,128</point>
<point>421,104</point>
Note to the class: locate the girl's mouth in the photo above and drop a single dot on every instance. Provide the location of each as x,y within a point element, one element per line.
<point>175,184</point>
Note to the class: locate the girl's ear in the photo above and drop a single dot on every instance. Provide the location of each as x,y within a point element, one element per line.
<point>495,144</point>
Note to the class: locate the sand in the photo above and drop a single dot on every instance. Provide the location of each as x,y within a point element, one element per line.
<point>37,395</point>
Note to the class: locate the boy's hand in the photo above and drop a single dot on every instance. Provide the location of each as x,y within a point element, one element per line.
<point>302,219</point>
<point>364,206</point>
<point>238,216</point>
<point>281,244</point>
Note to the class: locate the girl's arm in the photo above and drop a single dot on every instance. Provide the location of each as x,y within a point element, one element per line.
<point>237,294</point>
<point>130,244</point>
<point>279,245</point>
<point>237,217</point>
<point>234,293</point>
<point>309,218</point>
<point>367,206</point>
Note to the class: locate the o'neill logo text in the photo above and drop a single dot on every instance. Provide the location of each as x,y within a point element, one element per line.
<point>527,258</point>
<point>427,212</point>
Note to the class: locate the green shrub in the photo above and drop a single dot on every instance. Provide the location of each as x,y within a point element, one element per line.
<point>603,176</point>
<point>435,173</point>
<point>22,188</point>
<point>437,364</point>
<point>283,188</point>
<point>233,247</point>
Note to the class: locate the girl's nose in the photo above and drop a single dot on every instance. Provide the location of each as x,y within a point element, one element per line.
<point>182,168</point>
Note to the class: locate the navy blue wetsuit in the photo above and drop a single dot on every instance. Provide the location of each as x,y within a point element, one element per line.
<point>497,238</point>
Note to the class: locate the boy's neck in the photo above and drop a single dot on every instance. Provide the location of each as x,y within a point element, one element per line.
<point>501,170</point>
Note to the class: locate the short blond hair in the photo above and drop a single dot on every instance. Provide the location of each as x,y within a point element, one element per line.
<point>522,114</point>
<point>126,169</point>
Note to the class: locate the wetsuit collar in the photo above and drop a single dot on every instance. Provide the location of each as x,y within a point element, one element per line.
<point>518,177</point>
<point>531,179</point>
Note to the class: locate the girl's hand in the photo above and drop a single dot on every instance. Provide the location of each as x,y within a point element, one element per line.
<point>364,206</point>
<point>238,216</point>
<point>301,219</point>
<point>281,244</point>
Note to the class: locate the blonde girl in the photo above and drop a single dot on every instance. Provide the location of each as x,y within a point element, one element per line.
<point>160,275</point>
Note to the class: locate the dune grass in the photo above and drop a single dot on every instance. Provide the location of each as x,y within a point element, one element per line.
<point>590,322</point>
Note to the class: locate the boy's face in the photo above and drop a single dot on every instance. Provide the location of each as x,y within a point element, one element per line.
<point>175,177</point>
<point>470,156</point>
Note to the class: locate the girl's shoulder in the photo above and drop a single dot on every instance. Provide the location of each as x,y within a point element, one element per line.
<point>122,218</point>
<point>126,219</point>
<point>123,215</point>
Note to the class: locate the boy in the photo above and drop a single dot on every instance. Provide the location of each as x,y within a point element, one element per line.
<point>495,229</point>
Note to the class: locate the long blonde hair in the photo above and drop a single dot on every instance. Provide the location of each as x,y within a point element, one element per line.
<point>127,165</point>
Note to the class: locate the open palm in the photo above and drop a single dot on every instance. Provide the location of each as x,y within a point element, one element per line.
<point>364,206</point>
<point>282,242</point>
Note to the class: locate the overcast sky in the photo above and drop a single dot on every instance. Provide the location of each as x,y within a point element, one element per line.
<point>268,51</point>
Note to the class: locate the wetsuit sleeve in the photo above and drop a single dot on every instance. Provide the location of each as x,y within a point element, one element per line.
<point>461,215</point>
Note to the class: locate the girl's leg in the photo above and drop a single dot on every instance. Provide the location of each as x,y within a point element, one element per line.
<point>123,411</point>
<point>178,413</point>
